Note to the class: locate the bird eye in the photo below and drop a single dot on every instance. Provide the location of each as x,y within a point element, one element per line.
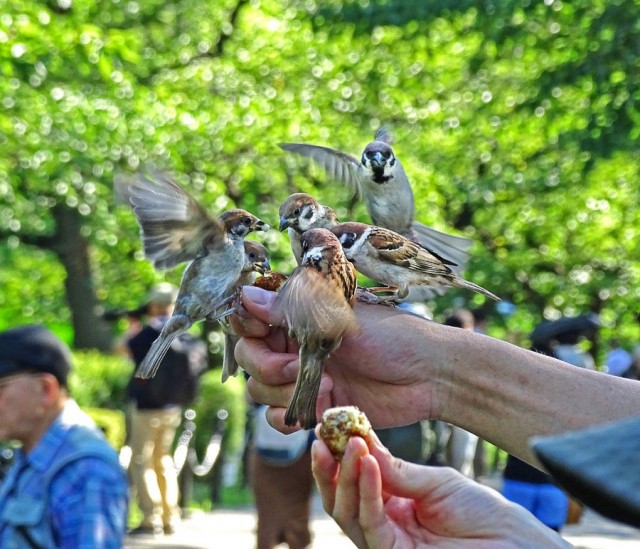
<point>296,212</point>
<point>246,221</point>
<point>347,239</point>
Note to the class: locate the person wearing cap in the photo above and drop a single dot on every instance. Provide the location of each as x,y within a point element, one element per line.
<point>155,414</point>
<point>65,487</point>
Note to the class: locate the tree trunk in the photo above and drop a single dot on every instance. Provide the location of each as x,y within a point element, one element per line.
<point>90,331</point>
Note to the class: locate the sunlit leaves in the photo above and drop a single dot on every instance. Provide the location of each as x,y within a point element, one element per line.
<point>517,123</point>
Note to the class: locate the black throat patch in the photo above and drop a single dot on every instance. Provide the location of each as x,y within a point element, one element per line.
<point>379,177</point>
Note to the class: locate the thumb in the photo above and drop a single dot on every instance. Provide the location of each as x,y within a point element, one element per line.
<point>405,479</point>
<point>260,303</point>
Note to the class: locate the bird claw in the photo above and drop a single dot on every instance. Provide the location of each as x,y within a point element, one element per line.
<point>364,295</point>
<point>228,306</point>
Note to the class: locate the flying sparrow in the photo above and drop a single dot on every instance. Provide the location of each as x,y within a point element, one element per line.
<point>316,304</point>
<point>382,182</point>
<point>301,212</point>
<point>389,258</point>
<point>175,228</point>
<point>256,261</point>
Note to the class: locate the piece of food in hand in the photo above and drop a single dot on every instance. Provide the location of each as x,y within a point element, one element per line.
<point>271,281</point>
<point>341,423</point>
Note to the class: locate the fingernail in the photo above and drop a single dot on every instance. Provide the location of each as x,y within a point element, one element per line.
<point>256,295</point>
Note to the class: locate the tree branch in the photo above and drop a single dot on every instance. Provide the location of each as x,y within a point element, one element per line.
<point>46,242</point>
<point>214,53</point>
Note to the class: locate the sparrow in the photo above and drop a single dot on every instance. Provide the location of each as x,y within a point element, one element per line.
<point>316,303</point>
<point>389,258</point>
<point>301,212</point>
<point>175,229</point>
<point>256,261</point>
<point>382,182</point>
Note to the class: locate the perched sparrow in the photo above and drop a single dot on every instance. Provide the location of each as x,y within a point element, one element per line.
<point>392,259</point>
<point>175,228</point>
<point>316,303</point>
<point>380,179</point>
<point>256,261</point>
<point>301,212</point>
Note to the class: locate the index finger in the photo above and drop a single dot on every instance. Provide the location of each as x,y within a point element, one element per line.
<point>325,471</point>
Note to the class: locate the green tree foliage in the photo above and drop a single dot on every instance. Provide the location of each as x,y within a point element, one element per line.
<point>517,121</point>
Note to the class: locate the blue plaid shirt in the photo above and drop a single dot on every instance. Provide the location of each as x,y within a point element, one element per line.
<point>88,497</point>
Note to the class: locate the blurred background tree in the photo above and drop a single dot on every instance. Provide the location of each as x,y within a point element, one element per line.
<point>517,121</point>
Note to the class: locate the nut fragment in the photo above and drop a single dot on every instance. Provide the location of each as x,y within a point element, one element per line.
<point>341,423</point>
<point>271,280</point>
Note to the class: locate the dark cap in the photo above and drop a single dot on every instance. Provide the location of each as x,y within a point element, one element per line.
<point>33,349</point>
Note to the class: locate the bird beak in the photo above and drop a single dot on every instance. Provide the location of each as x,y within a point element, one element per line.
<point>284,224</point>
<point>260,226</point>
<point>377,159</point>
<point>261,266</point>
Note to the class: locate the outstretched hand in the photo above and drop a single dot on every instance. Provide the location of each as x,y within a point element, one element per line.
<point>375,368</point>
<point>383,502</point>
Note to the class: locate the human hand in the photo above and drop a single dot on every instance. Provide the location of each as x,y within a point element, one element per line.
<point>376,368</point>
<point>384,502</point>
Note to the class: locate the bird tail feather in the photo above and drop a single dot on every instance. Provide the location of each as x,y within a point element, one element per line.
<point>229,364</point>
<point>474,287</point>
<point>448,246</point>
<point>151,362</point>
<point>302,406</point>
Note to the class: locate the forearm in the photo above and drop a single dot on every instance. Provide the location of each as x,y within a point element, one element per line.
<point>506,394</point>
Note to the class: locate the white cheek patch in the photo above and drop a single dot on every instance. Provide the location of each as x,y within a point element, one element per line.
<point>305,224</point>
<point>314,254</point>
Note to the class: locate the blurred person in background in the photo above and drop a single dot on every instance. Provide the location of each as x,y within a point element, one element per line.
<point>633,372</point>
<point>565,347</point>
<point>522,483</point>
<point>282,483</point>
<point>461,446</point>
<point>618,360</point>
<point>155,413</point>
<point>65,487</point>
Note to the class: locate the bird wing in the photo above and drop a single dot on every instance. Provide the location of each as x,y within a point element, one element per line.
<point>339,166</point>
<point>451,248</point>
<point>311,304</point>
<point>175,228</point>
<point>396,249</point>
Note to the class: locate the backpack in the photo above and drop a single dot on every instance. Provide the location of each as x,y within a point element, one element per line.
<point>177,378</point>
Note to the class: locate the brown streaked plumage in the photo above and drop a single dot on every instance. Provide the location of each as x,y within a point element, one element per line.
<point>301,212</point>
<point>390,258</point>
<point>316,304</point>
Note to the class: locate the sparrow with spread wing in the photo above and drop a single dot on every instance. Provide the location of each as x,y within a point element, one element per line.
<point>256,261</point>
<point>316,304</point>
<point>389,258</point>
<point>301,212</point>
<point>382,182</point>
<point>175,228</point>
